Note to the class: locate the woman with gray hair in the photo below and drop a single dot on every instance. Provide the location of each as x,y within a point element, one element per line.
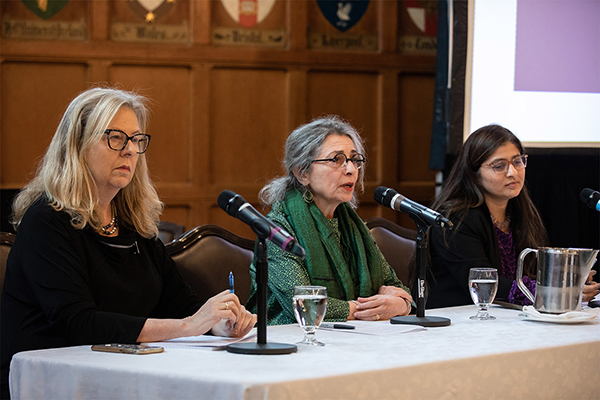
<point>86,266</point>
<point>315,203</point>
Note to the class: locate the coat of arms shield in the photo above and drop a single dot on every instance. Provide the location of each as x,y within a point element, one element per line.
<point>248,12</point>
<point>150,9</point>
<point>424,15</point>
<point>45,9</point>
<point>343,15</point>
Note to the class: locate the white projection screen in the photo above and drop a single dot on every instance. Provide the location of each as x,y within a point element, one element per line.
<point>533,66</point>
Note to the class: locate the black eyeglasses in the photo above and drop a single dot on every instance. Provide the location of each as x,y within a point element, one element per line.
<point>117,140</point>
<point>501,166</point>
<point>340,160</point>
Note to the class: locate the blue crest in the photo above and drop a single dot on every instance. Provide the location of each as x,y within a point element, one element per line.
<point>343,14</point>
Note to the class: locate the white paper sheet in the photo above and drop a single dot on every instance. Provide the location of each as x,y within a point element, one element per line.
<point>203,341</point>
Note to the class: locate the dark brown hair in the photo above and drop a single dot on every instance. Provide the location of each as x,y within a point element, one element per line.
<point>463,189</point>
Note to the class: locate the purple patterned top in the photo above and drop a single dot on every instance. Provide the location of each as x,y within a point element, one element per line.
<point>509,268</point>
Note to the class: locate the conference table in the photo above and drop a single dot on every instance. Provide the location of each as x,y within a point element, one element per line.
<point>510,357</point>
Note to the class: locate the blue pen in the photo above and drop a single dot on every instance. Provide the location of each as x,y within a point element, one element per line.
<point>231,289</point>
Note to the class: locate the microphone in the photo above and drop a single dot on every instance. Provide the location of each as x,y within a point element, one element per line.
<point>235,205</point>
<point>390,198</point>
<point>591,198</point>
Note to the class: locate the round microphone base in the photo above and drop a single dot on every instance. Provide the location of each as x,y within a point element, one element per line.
<point>258,348</point>
<point>423,321</point>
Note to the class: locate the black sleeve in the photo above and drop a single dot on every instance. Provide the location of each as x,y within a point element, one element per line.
<point>473,245</point>
<point>51,254</point>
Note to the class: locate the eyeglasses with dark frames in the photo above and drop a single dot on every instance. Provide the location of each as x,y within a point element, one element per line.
<point>501,166</point>
<point>117,140</point>
<point>341,160</point>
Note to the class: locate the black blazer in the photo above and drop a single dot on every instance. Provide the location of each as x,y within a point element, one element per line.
<point>472,244</point>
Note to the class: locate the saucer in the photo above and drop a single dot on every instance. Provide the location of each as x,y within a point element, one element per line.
<point>572,317</point>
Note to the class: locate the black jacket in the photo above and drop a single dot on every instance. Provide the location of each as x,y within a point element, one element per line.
<point>67,286</point>
<point>472,244</point>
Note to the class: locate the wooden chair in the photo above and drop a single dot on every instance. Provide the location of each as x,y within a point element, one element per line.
<point>205,255</point>
<point>6,242</point>
<point>396,243</point>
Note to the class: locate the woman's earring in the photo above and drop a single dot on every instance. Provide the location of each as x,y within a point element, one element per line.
<point>307,196</point>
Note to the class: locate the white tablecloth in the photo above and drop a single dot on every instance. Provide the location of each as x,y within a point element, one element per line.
<point>506,358</point>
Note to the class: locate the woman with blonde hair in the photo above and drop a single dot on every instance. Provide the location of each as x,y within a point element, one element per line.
<point>86,266</point>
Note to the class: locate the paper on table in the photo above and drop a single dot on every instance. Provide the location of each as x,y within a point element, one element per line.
<point>203,341</point>
<point>377,328</point>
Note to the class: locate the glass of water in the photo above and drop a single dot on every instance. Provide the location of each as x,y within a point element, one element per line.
<point>310,305</point>
<point>483,285</point>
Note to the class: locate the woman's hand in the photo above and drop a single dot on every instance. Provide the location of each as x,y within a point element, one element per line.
<point>245,322</point>
<point>352,305</point>
<point>223,314</point>
<point>591,288</point>
<point>395,291</point>
<point>223,306</point>
<point>389,302</point>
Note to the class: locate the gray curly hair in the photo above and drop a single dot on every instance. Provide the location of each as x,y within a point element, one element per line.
<point>301,148</point>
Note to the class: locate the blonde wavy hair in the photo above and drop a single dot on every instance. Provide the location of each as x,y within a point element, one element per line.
<point>64,178</point>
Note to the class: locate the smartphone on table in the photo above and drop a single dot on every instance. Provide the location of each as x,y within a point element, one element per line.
<point>128,348</point>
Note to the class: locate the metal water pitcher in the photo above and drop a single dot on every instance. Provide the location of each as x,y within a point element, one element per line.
<point>561,274</point>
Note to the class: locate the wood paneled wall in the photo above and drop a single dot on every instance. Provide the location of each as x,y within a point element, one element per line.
<point>221,114</point>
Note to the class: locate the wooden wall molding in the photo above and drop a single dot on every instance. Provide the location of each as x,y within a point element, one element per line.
<point>221,114</point>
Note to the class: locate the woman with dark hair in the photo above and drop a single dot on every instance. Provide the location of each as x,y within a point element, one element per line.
<point>315,201</point>
<point>494,217</point>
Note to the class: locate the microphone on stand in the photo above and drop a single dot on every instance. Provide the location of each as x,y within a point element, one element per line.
<point>591,198</point>
<point>425,218</point>
<point>235,205</point>
<point>390,198</point>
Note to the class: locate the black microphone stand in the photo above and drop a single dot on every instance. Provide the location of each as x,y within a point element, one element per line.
<point>422,258</point>
<point>262,278</point>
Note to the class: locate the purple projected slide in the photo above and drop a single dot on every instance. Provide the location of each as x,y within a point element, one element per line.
<point>558,46</point>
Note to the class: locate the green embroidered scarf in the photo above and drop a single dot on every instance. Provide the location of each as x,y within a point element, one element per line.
<point>354,267</point>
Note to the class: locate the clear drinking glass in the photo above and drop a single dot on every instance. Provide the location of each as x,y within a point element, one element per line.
<point>310,305</point>
<point>483,285</point>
